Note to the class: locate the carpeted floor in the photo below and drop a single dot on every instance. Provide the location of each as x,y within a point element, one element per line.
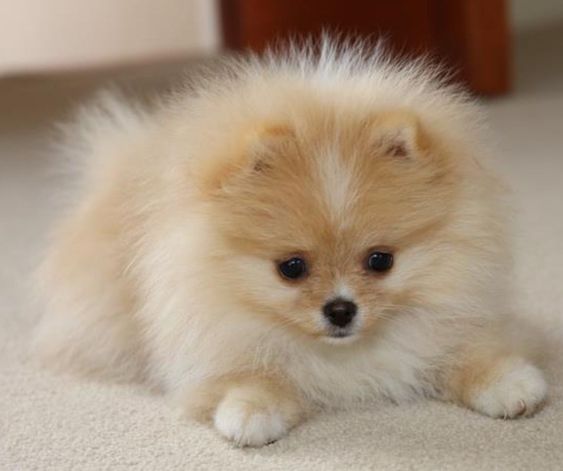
<point>54,422</point>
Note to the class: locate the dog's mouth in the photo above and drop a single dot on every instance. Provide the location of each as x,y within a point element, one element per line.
<point>340,335</point>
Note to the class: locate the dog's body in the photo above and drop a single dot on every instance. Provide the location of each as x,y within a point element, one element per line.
<point>299,232</point>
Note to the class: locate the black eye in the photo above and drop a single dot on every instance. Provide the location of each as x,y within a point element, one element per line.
<point>293,268</point>
<point>380,261</point>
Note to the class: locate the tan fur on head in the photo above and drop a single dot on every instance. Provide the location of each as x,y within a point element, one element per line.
<point>332,190</point>
<point>168,263</point>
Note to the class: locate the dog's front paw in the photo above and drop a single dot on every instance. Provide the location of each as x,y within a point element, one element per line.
<point>252,415</point>
<point>518,390</point>
<point>247,426</point>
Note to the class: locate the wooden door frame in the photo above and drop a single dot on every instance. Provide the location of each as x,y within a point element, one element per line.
<point>471,36</point>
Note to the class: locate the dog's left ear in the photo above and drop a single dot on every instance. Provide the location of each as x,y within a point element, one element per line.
<point>250,154</point>
<point>398,134</point>
<point>264,143</point>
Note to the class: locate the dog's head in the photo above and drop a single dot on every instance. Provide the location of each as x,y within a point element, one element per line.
<point>333,223</point>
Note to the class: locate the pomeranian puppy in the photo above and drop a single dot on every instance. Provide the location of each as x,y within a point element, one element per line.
<point>298,231</point>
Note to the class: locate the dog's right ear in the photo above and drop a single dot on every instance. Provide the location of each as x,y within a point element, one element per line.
<point>254,154</point>
<point>398,134</point>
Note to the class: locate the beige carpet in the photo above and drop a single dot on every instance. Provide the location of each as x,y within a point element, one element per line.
<point>53,422</point>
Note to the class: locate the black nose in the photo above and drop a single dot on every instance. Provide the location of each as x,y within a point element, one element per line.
<point>340,312</point>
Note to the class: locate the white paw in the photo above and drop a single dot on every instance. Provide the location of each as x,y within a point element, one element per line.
<point>246,425</point>
<point>517,392</point>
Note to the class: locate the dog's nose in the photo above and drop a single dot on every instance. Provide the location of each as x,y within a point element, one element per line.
<point>340,312</point>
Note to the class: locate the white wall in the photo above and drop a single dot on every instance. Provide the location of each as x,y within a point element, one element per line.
<point>532,14</point>
<point>54,35</point>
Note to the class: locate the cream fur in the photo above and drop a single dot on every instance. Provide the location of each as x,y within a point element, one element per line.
<point>163,268</point>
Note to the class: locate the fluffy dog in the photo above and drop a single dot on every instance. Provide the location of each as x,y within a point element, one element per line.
<point>301,230</point>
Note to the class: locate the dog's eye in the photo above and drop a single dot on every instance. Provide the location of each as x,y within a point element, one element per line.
<point>379,261</point>
<point>293,269</point>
